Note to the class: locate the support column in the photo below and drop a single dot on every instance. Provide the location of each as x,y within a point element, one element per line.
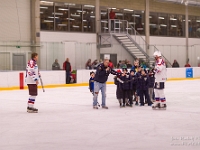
<point>35,26</point>
<point>147,38</point>
<point>97,19</point>
<point>187,32</point>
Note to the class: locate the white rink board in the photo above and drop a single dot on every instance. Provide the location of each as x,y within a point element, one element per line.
<point>11,79</point>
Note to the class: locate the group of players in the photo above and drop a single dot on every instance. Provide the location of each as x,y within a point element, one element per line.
<point>140,83</point>
<point>137,83</point>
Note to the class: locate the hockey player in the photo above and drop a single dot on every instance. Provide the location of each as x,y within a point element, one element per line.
<point>160,78</point>
<point>32,80</point>
<point>138,74</point>
<point>119,93</point>
<point>143,86</point>
<point>133,85</point>
<point>126,88</point>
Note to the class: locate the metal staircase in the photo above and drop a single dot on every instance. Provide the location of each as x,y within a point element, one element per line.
<point>128,37</point>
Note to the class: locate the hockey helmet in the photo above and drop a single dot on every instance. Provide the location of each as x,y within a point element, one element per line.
<point>119,71</point>
<point>157,53</point>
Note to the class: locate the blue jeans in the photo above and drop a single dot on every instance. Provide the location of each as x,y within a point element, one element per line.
<point>97,87</point>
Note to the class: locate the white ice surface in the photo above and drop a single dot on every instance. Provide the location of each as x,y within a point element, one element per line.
<point>66,121</point>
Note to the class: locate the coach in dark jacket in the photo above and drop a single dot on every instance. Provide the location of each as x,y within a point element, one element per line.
<point>100,79</point>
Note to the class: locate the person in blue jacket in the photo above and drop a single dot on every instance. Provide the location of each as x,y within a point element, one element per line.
<point>91,82</point>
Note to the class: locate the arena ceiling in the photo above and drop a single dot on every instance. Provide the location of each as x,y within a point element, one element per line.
<point>184,2</point>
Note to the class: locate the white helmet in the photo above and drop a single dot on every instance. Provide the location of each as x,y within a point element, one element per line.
<point>157,53</point>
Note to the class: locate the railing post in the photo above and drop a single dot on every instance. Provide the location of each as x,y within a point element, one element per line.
<point>119,26</point>
<point>109,25</point>
<point>114,26</point>
<point>126,27</point>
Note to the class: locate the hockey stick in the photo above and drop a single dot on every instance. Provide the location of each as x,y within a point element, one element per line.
<point>42,84</point>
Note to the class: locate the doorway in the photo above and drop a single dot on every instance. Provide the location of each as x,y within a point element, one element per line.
<point>112,57</point>
<point>19,62</point>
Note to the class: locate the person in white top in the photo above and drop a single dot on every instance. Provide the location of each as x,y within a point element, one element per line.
<point>32,80</point>
<point>160,78</point>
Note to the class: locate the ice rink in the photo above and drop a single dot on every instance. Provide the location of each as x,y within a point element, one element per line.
<point>67,121</point>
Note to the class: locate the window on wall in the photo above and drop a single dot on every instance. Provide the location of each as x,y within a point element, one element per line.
<point>104,21</point>
<point>61,15</point>
<point>139,21</point>
<point>180,25</point>
<point>153,23</point>
<point>75,17</point>
<point>129,16</point>
<point>46,15</point>
<point>88,18</point>
<point>198,27</point>
<point>162,24</point>
<point>194,26</point>
<point>118,13</point>
<point>173,25</point>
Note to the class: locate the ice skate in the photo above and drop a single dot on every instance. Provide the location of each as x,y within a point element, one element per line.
<point>156,106</point>
<point>104,107</point>
<point>120,103</point>
<point>163,107</point>
<point>32,110</point>
<point>95,107</point>
<point>127,103</point>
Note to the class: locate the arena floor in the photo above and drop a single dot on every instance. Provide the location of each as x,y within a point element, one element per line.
<point>66,121</point>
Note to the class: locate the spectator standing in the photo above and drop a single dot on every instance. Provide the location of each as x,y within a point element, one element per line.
<point>129,66</point>
<point>123,65</point>
<point>175,64</point>
<point>88,64</point>
<point>112,16</point>
<point>94,64</point>
<point>187,64</point>
<point>67,68</point>
<point>56,65</point>
<point>111,64</point>
<point>119,64</point>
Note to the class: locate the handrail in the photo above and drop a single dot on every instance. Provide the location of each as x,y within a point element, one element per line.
<point>151,45</point>
<point>114,25</point>
<point>140,36</point>
<point>111,25</point>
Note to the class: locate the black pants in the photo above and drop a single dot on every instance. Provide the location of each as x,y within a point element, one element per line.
<point>133,93</point>
<point>127,94</point>
<point>146,94</point>
<point>67,77</point>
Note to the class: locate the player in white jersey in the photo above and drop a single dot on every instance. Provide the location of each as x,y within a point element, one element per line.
<point>160,78</point>
<point>32,80</point>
